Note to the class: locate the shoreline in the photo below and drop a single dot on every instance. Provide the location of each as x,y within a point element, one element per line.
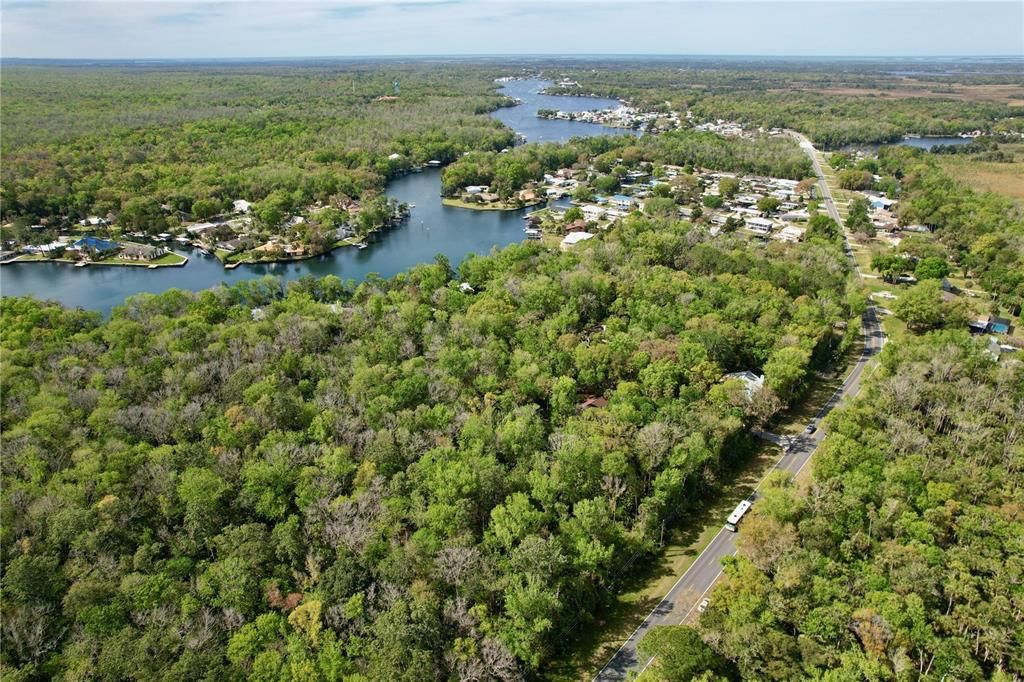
<point>82,264</point>
<point>291,259</point>
<point>458,203</point>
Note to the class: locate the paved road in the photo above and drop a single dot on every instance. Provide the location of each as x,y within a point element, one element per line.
<point>700,577</point>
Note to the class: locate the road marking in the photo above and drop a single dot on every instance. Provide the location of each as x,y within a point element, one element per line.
<point>696,559</point>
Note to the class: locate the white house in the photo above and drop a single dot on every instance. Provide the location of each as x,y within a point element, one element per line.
<point>199,228</point>
<point>92,221</point>
<point>792,233</point>
<point>751,382</point>
<point>574,238</point>
<point>622,202</point>
<point>759,225</point>
<point>476,189</point>
<point>592,212</point>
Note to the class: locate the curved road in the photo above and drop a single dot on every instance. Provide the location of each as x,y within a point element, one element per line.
<point>700,577</point>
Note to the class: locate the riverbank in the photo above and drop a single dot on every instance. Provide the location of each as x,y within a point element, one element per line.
<point>432,228</point>
<point>170,260</point>
<point>491,206</point>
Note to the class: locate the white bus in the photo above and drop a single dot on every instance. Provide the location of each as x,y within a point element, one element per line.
<point>736,515</point>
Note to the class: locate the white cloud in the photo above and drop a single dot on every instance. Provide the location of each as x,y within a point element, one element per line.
<point>271,28</point>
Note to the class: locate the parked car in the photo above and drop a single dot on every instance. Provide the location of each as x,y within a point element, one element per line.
<point>703,606</point>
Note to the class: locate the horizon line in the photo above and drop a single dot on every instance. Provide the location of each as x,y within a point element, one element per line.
<point>531,55</point>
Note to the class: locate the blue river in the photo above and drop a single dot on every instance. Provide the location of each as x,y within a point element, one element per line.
<point>432,228</point>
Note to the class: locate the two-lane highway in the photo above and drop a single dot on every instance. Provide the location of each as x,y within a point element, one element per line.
<point>702,574</point>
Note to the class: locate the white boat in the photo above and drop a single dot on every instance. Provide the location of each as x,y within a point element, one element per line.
<point>361,246</point>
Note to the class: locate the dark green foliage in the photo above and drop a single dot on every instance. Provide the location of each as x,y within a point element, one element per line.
<point>91,141</point>
<point>902,560</point>
<point>402,485</point>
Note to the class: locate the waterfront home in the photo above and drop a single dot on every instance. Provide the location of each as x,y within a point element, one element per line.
<point>533,233</point>
<point>476,189</point>
<point>199,228</point>
<point>141,252</point>
<point>230,245</point>
<point>622,202</point>
<point>574,238</point>
<point>527,195</point>
<point>96,245</point>
<point>52,248</point>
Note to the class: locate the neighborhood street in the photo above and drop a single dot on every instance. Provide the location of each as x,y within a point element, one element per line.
<point>696,582</point>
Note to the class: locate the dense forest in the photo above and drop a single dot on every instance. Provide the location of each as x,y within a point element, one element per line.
<point>87,141</point>
<point>400,479</point>
<point>903,561</point>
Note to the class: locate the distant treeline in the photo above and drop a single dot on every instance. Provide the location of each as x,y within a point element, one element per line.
<point>87,141</point>
<point>834,107</point>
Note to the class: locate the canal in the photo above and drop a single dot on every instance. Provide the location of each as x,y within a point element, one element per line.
<point>432,228</point>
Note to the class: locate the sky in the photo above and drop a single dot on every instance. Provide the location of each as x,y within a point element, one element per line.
<point>184,29</point>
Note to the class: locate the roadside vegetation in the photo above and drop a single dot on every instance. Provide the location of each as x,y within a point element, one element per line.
<point>899,560</point>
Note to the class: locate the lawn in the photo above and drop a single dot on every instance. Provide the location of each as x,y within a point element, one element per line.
<point>494,206</point>
<point>166,259</point>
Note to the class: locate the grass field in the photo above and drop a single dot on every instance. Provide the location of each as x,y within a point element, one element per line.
<point>988,176</point>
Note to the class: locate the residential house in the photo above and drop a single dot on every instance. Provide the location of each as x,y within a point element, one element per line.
<point>759,225</point>
<point>592,212</point>
<point>623,202</point>
<point>141,252</point>
<point>199,228</point>
<point>96,245</point>
<point>593,402</point>
<point>792,234</point>
<point>998,325</point>
<point>574,238</point>
<point>751,381</point>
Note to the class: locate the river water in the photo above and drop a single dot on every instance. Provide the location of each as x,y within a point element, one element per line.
<point>432,228</point>
<point>927,143</point>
